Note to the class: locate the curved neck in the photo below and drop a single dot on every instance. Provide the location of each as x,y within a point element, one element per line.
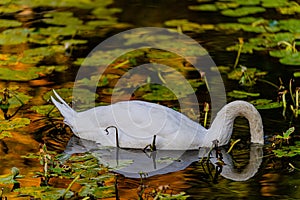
<point>222,126</point>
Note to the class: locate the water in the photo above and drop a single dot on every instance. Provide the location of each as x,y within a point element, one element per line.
<point>274,179</point>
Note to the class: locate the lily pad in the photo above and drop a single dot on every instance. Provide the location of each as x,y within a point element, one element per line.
<point>86,97</point>
<point>45,110</point>
<point>19,75</point>
<point>241,94</point>
<point>58,31</point>
<point>291,9</point>
<point>15,99</point>
<point>159,93</point>
<point>7,125</point>
<point>236,74</point>
<point>9,23</point>
<point>62,18</point>
<point>266,104</point>
<point>185,25</point>
<point>292,59</point>
<point>292,25</point>
<point>280,53</point>
<point>243,11</point>
<point>14,36</point>
<point>274,4</point>
<point>10,7</point>
<point>105,13</point>
<point>296,74</point>
<point>204,7</point>
<point>46,193</point>
<point>35,55</point>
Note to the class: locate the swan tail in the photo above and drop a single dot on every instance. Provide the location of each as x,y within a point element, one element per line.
<point>63,107</point>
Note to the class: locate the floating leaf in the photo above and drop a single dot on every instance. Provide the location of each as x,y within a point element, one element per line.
<point>274,4</point>
<point>62,18</point>
<point>292,59</point>
<point>58,31</point>
<point>74,42</point>
<point>241,94</point>
<point>4,134</point>
<point>14,36</point>
<point>105,13</point>
<point>15,123</point>
<point>292,25</point>
<point>9,23</point>
<point>84,96</point>
<point>292,9</point>
<point>204,7</point>
<point>16,97</point>
<point>266,104</point>
<point>45,110</point>
<point>186,25</point>
<point>243,11</point>
<point>249,20</point>
<point>280,53</point>
<point>296,74</point>
<point>9,7</point>
<point>46,193</point>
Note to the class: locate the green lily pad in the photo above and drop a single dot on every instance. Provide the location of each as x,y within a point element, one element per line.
<point>159,93</point>
<point>7,125</point>
<point>237,73</point>
<point>62,18</point>
<point>292,25</point>
<point>243,11</point>
<point>296,74</point>
<point>9,23</point>
<point>292,59</point>
<point>10,7</point>
<point>83,4</point>
<point>104,80</point>
<point>241,94</point>
<point>185,25</point>
<point>204,7</point>
<point>58,31</point>
<point>46,193</point>
<point>8,59</point>
<point>274,4</point>
<point>291,9</point>
<point>280,53</point>
<point>86,97</point>
<point>247,3</point>
<point>108,57</point>
<point>249,20</point>
<point>20,75</point>
<point>97,192</point>
<point>35,55</point>
<point>45,110</point>
<point>15,99</point>
<point>5,134</point>
<point>266,104</point>
<point>14,36</point>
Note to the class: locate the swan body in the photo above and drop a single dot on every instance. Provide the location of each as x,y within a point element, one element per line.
<point>137,123</point>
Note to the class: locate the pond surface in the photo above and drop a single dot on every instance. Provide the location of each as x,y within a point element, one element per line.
<point>44,43</point>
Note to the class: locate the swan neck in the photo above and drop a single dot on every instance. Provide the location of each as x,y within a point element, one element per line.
<point>222,126</point>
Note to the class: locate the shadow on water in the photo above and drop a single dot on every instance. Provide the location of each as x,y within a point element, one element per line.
<point>132,162</point>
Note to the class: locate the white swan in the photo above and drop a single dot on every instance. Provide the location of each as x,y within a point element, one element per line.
<point>136,124</point>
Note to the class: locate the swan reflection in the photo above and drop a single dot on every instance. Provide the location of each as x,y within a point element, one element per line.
<point>134,162</point>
